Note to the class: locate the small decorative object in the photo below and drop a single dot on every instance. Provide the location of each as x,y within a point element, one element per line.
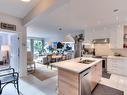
<point>81,38</point>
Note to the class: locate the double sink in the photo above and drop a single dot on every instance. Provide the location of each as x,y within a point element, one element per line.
<point>86,61</point>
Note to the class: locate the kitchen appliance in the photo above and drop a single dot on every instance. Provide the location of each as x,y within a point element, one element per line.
<point>86,82</point>
<point>101,41</point>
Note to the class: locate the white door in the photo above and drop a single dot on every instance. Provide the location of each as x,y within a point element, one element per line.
<point>14,51</point>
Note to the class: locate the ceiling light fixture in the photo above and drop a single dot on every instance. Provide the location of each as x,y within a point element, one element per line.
<point>69,39</point>
<point>60,29</point>
<point>25,0</point>
<point>116,10</point>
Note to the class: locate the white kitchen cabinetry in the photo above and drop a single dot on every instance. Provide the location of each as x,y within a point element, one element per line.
<point>114,32</point>
<point>117,65</point>
<point>116,37</point>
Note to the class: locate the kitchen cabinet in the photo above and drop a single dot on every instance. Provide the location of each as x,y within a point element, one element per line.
<point>117,66</point>
<point>119,37</point>
<point>114,32</point>
<point>96,73</point>
<point>68,83</point>
<point>116,37</point>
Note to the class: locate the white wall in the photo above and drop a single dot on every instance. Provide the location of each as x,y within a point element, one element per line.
<point>21,30</point>
<point>51,35</point>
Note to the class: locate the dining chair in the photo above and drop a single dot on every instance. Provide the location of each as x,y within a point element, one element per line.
<point>31,66</point>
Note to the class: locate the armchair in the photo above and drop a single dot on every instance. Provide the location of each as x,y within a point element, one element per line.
<point>9,76</point>
<point>30,61</point>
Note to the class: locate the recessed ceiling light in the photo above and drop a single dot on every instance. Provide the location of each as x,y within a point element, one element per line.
<point>59,28</point>
<point>25,0</point>
<point>116,10</point>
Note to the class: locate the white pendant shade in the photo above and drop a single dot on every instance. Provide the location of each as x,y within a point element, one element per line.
<point>69,39</point>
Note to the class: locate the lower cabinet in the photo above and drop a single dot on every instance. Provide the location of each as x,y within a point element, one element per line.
<point>117,66</point>
<point>70,83</point>
<point>96,74</point>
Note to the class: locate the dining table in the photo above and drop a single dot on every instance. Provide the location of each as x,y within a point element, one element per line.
<point>57,57</point>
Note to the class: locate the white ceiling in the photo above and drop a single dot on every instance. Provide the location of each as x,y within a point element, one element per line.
<point>78,14</point>
<point>50,35</point>
<point>16,7</point>
<point>73,15</point>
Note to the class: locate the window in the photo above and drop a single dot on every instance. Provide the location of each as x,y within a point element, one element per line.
<point>38,47</point>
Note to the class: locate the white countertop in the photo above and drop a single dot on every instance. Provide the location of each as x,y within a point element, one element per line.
<point>74,65</point>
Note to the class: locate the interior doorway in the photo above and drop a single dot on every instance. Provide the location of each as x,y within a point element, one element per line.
<point>9,50</point>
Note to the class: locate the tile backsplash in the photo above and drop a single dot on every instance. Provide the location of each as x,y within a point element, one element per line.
<point>104,49</point>
<point>122,52</point>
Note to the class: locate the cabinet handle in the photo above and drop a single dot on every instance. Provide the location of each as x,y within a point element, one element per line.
<point>86,74</point>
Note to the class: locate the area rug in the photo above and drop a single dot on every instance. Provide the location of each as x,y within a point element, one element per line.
<point>43,73</point>
<point>106,90</point>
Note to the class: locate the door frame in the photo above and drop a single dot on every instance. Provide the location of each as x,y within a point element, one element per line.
<point>16,33</point>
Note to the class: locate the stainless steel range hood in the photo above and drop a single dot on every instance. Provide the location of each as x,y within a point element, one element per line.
<point>101,41</point>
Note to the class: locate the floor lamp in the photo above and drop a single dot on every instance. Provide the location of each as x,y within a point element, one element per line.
<point>6,58</point>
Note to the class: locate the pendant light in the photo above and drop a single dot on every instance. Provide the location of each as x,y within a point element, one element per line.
<point>69,39</point>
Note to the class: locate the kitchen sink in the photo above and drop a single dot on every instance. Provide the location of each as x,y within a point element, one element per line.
<point>86,61</point>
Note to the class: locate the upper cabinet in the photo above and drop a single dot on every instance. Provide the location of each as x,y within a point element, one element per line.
<point>116,37</point>
<point>116,33</point>
<point>119,37</point>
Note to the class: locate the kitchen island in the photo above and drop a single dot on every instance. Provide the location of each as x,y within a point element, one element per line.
<point>78,76</point>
